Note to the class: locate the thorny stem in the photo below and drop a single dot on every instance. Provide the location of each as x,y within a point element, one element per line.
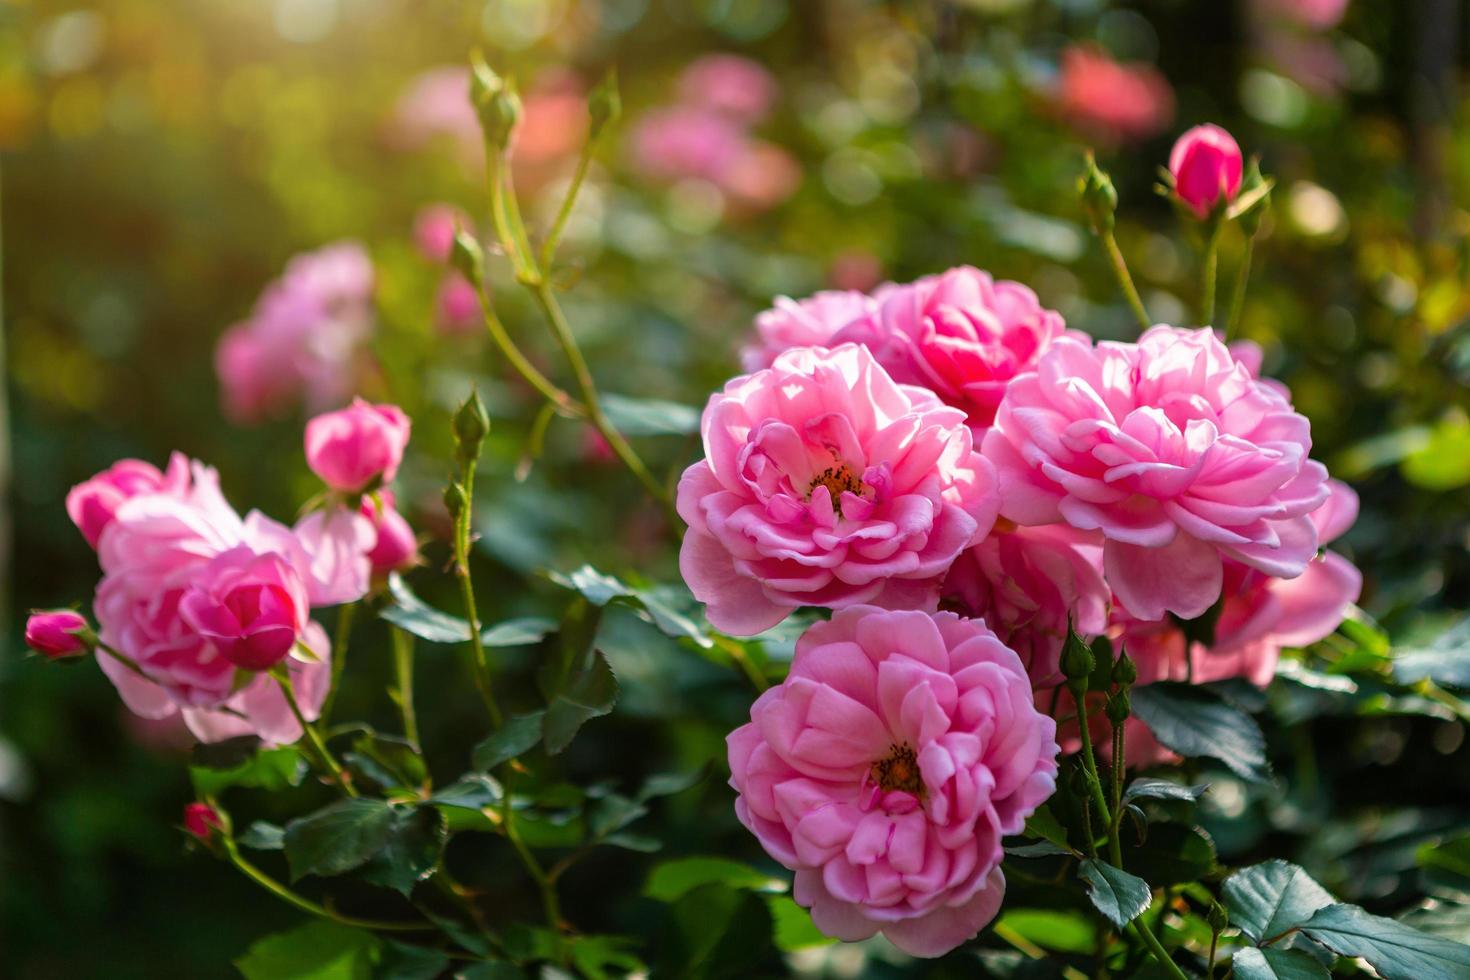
<point>402,693</point>
<point>1125,279</point>
<point>562,401</point>
<point>312,737</point>
<point>479,666</point>
<point>339,656</point>
<point>546,884</point>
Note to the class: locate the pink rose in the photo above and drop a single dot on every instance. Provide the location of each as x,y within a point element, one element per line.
<point>886,769</point>
<point>729,84</point>
<point>1171,449</point>
<point>680,142</point>
<point>201,820</point>
<point>1028,584</point>
<point>434,228</point>
<point>395,546</point>
<point>810,322</point>
<point>251,607</point>
<point>456,305</point>
<point>1112,101</point>
<point>357,446</point>
<point>961,334</point>
<point>92,504</point>
<point>1206,166</point>
<point>824,483</point>
<point>53,633</point>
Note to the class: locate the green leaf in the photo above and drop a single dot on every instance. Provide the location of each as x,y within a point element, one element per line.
<point>718,932</point>
<point>272,770</point>
<point>634,842</point>
<point>1276,964</point>
<point>518,735</point>
<point>1194,723</point>
<point>590,694</point>
<point>390,761</point>
<point>317,951</point>
<point>650,416</point>
<point>605,957</point>
<point>409,612</point>
<point>1118,895</point>
<point>491,970</point>
<point>1038,850</point>
<point>1064,932</point>
<point>262,836</point>
<point>473,791</point>
<point>521,632</point>
<point>672,879</point>
<point>1451,855</point>
<point>338,838</point>
<point>794,929</point>
<point>1176,854</point>
<point>657,605</point>
<point>400,961</point>
<point>670,783</point>
<point>1396,951</point>
<point>1446,661</point>
<point>612,813</point>
<point>415,845</point>
<point>1044,824</point>
<point>1162,789</point>
<point>1267,899</point>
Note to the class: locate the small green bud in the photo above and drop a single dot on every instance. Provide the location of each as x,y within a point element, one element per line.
<point>454,499</point>
<point>1099,197</point>
<point>467,257</point>
<point>1118,708</point>
<point>485,84</point>
<point>1125,671</point>
<point>471,425</point>
<point>1077,661</point>
<point>605,104</point>
<point>1217,917</point>
<point>500,116</point>
<point>1254,200</point>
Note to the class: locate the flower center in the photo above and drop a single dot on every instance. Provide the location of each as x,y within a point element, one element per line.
<point>837,479</point>
<point>899,771</point>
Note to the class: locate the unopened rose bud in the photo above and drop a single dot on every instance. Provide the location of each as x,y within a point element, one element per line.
<point>1099,197</point>
<point>1125,671</point>
<point>201,820</point>
<point>454,499</point>
<point>358,447</point>
<point>471,425</point>
<point>1217,917</point>
<point>467,257</point>
<point>1077,661</point>
<point>58,633</point>
<point>1206,165</point>
<point>1119,708</point>
<point>500,117</point>
<point>605,103</point>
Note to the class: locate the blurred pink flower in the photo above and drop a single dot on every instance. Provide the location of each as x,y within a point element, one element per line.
<point>1206,165</point>
<point>761,176</point>
<point>824,483</point>
<point>1028,584</point>
<point>1170,448</point>
<point>395,546</point>
<point>53,633</point>
<point>437,104</point>
<point>679,142</point>
<point>729,84</point>
<point>303,340</point>
<point>855,270</point>
<point>886,769</point>
<point>357,446</point>
<point>809,322</point>
<point>1111,101</point>
<point>553,123</point>
<point>1316,15</point>
<point>456,305</point>
<point>434,227</point>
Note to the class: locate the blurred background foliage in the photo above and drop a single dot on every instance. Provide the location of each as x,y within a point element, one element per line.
<point>162,159</point>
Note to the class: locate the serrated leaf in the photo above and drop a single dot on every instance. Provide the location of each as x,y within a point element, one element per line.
<point>1195,722</point>
<point>518,735</point>
<point>589,695</point>
<point>1267,899</point>
<point>518,632</point>
<point>1040,849</point>
<point>672,879</point>
<point>473,791</point>
<point>1276,964</point>
<point>1118,895</point>
<point>1395,950</point>
<point>1044,824</point>
<point>262,836</point>
<point>650,416</point>
<point>316,951</point>
<point>1163,789</point>
<point>412,853</point>
<point>337,838</point>
<point>655,604</point>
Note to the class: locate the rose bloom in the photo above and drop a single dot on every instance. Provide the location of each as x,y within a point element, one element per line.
<point>729,84</point>
<point>886,769</point>
<point>187,585</point>
<point>53,633</point>
<point>960,334</point>
<point>824,483</point>
<point>1174,451</point>
<point>1029,584</point>
<point>810,322</point>
<point>1112,101</point>
<point>1206,166</point>
<point>357,445</point>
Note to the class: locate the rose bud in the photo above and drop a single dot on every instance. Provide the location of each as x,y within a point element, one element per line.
<point>355,446</point>
<point>55,633</point>
<point>1207,166</point>
<point>201,820</point>
<point>396,547</point>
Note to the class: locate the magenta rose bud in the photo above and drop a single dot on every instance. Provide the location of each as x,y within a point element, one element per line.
<point>1207,166</point>
<point>396,547</point>
<point>355,446</point>
<point>55,634</point>
<point>251,607</point>
<point>201,820</point>
<point>825,483</point>
<point>1174,451</point>
<point>887,767</point>
<point>93,504</point>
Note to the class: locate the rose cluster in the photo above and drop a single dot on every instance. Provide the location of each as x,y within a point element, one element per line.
<point>950,443</point>
<point>207,614</point>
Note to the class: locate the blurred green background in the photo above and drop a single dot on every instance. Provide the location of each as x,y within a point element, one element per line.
<point>162,160</point>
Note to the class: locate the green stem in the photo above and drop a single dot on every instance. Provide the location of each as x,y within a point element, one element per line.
<point>126,661</point>
<point>307,905</point>
<point>479,665</point>
<point>553,237</point>
<point>1125,279</point>
<point>550,903</point>
<point>500,216</point>
<point>324,755</point>
<point>402,693</point>
<point>339,656</point>
<point>1089,763</point>
<point>517,359</point>
<point>1237,292</point>
<point>1157,949</point>
<point>1207,285</point>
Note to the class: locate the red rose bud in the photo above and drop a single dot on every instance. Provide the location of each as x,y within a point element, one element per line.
<point>57,633</point>
<point>1207,165</point>
<point>201,820</point>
